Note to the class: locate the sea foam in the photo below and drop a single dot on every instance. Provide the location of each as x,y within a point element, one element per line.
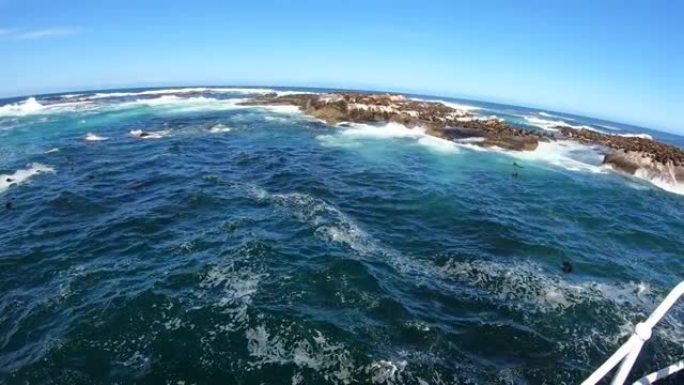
<point>550,125</point>
<point>456,106</point>
<point>352,133</point>
<point>94,137</point>
<point>22,176</point>
<point>219,128</point>
<point>26,107</point>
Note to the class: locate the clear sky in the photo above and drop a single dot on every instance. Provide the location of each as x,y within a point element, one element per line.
<point>622,60</point>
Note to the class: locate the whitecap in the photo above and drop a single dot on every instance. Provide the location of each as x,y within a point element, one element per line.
<point>51,151</point>
<point>315,352</point>
<point>26,107</point>
<point>219,128</point>
<point>550,125</point>
<point>94,137</point>
<point>642,136</point>
<point>231,291</point>
<point>178,104</point>
<point>352,135</point>
<point>22,176</point>
<point>280,109</point>
<point>389,130</point>
<point>479,118</point>
<point>385,372</point>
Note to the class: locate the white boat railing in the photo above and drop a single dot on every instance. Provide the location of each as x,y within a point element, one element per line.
<point>629,351</point>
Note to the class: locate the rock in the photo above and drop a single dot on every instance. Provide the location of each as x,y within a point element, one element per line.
<point>516,143</point>
<point>438,119</point>
<point>620,160</point>
<point>648,148</point>
<point>647,164</point>
<point>627,154</point>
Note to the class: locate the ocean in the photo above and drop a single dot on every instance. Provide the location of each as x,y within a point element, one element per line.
<point>255,245</point>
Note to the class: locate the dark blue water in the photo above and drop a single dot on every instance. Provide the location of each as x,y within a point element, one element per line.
<point>256,246</point>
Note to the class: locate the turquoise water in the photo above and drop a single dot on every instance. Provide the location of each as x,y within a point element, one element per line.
<point>257,246</point>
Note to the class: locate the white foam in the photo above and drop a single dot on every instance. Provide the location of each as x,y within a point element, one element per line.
<point>386,372</point>
<point>351,133</point>
<point>149,135</point>
<point>31,106</point>
<point>315,352</point>
<point>643,136</point>
<point>550,125</point>
<point>94,137</point>
<point>26,107</point>
<point>219,128</point>
<point>177,104</point>
<point>479,118</point>
<point>280,109</point>
<point>456,106</point>
<point>565,154</point>
<point>22,176</point>
<point>231,291</point>
<point>658,179</point>
<point>389,130</point>
<point>438,144</point>
<point>52,150</point>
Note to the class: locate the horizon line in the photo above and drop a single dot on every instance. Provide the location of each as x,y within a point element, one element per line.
<point>476,99</point>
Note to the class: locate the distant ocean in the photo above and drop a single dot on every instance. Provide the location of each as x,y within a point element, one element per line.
<point>172,236</point>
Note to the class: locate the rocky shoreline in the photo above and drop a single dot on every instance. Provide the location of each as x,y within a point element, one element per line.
<point>632,155</point>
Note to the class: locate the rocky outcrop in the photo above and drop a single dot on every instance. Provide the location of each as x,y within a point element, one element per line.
<point>438,119</point>
<point>635,155</point>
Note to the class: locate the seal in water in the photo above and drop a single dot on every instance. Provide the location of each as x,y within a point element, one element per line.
<point>566,267</point>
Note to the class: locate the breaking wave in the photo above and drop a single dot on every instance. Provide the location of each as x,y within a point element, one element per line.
<point>569,155</point>
<point>643,136</point>
<point>550,125</point>
<point>352,133</point>
<point>27,107</point>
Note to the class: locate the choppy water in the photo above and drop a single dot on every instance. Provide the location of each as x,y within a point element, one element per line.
<point>256,246</point>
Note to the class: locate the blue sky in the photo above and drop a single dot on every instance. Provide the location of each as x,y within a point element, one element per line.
<point>621,60</point>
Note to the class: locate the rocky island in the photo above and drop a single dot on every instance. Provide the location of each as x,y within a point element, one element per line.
<point>631,155</point>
